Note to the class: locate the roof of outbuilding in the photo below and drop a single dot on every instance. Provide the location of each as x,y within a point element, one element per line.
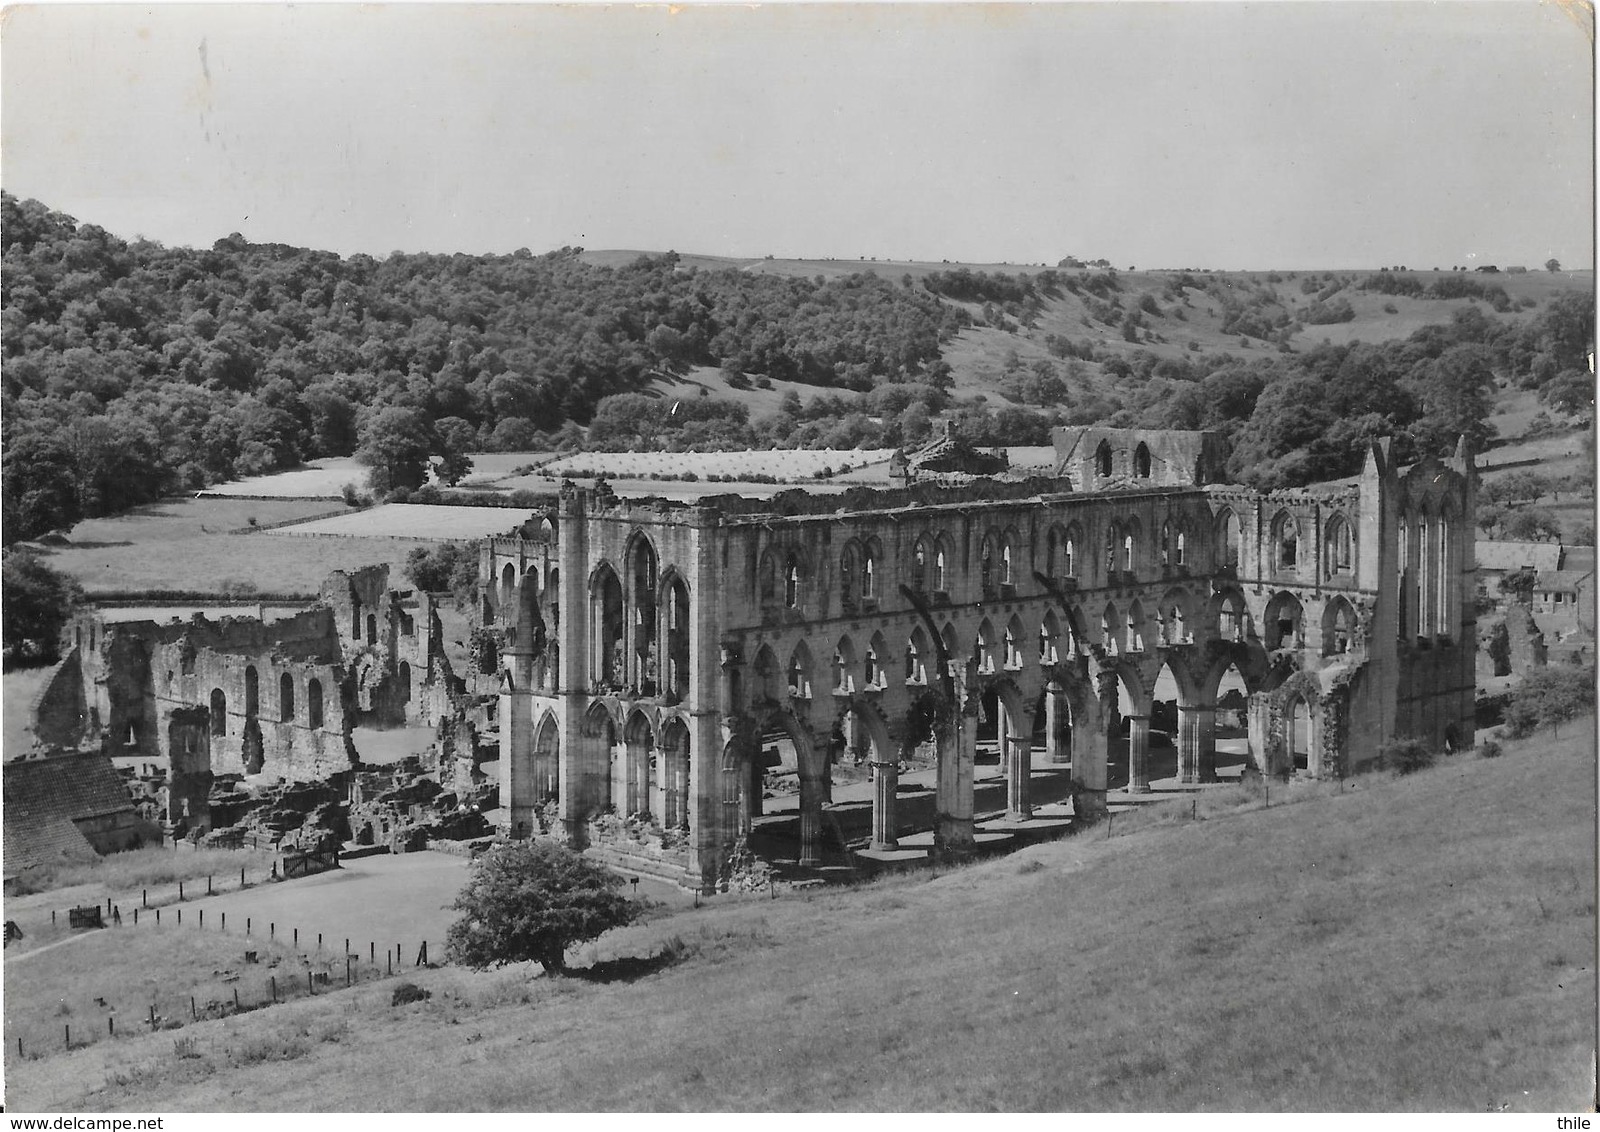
<point>1496,554</point>
<point>43,799</point>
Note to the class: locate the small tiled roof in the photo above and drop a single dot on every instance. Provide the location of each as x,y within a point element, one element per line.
<point>43,798</point>
<point>1561,581</point>
<point>1494,554</point>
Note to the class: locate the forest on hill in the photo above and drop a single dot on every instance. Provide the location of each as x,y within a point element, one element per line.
<point>133,370</point>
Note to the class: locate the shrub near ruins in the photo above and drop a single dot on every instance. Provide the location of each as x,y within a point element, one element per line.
<point>533,900</point>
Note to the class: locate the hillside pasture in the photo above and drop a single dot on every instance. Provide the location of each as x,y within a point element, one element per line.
<point>194,545</point>
<point>1420,944</point>
<point>320,479</point>
<point>789,465</point>
<point>414,521</point>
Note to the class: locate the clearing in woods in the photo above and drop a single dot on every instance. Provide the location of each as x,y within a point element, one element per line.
<point>1412,944</point>
<point>208,546</point>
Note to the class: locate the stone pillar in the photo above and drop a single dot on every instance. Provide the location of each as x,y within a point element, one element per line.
<point>1019,769</point>
<point>1188,743</point>
<point>517,784</point>
<point>1206,743</point>
<point>810,819</point>
<point>1091,743</point>
<point>1138,754</point>
<point>957,746</point>
<point>1056,746</point>
<point>885,781</point>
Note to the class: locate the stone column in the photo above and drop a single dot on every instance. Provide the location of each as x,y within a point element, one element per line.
<point>1188,744</point>
<point>885,781</point>
<point>1206,742</point>
<point>517,785</point>
<point>1056,747</point>
<point>1138,754</point>
<point>810,819</point>
<point>1020,769</point>
<point>957,746</point>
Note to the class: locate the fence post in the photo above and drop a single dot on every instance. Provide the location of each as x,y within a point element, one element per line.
<point>208,885</point>
<point>347,969</point>
<point>388,962</point>
<point>67,1027</point>
<point>180,890</point>
<point>422,954</point>
<point>236,1000</point>
<point>319,941</point>
<point>273,979</point>
<point>241,876</point>
<point>52,917</point>
<point>372,954</point>
<point>247,925</point>
<point>152,1016</point>
<point>347,945</point>
<point>111,1026</point>
<point>194,1011</point>
<point>145,899</point>
<point>180,915</point>
<point>158,915</point>
<point>203,919</point>
<point>297,937</point>
<point>272,930</point>
<point>136,915</point>
<point>108,905</point>
<point>311,987</point>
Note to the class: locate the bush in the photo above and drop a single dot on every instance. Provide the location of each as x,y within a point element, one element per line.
<point>534,900</point>
<point>1405,756</point>
<point>1490,749</point>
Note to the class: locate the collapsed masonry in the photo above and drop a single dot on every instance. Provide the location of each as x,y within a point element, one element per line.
<point>244,729</point>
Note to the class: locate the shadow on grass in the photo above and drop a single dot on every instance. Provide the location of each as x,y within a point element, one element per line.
<point>631,968</point>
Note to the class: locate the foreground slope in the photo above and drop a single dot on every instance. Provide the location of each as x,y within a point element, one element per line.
<point>1422,943</point>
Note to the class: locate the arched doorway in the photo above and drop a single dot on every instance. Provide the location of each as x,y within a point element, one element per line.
<point>1298,720</point>
<point>634,788</point>
<point>599,736</point>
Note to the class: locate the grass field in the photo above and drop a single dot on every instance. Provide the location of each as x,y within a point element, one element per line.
<point>188,544</point>
<point>20,687</point>
<point>1419,944</point>
<point>793,465</point>
<point>435,522</point>
<point>320,479</point>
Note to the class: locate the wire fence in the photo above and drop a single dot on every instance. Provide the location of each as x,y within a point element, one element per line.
<point>274,963</point>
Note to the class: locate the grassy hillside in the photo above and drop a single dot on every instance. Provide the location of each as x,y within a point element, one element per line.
<point>1423,943</point>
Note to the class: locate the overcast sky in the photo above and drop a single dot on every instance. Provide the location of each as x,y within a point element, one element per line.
<point>1226,135</point>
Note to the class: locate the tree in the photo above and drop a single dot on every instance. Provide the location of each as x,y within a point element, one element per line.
<point>1549,697</point>
<point>533,900</point>
<point>37,603</point>
<point>1532,524</point>
<point>396,443</point>
<point>1552,264</point>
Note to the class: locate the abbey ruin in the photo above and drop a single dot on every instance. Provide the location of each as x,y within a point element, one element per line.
<point>652,662</point>
<point>649,652</point>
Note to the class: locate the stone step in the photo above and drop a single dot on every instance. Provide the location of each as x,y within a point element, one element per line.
<point>638,864</point>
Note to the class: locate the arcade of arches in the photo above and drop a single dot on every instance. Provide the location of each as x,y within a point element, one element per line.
<point>653,655</point>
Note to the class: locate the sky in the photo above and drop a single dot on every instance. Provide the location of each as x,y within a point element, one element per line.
<point>1291,135</point>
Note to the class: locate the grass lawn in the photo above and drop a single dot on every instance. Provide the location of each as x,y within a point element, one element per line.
<point>1415,944</point>
<point>320,479</point>
<point>430,521</point>
<point>794,465</point>
<point>188,544</point>
<point>21,686</point>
